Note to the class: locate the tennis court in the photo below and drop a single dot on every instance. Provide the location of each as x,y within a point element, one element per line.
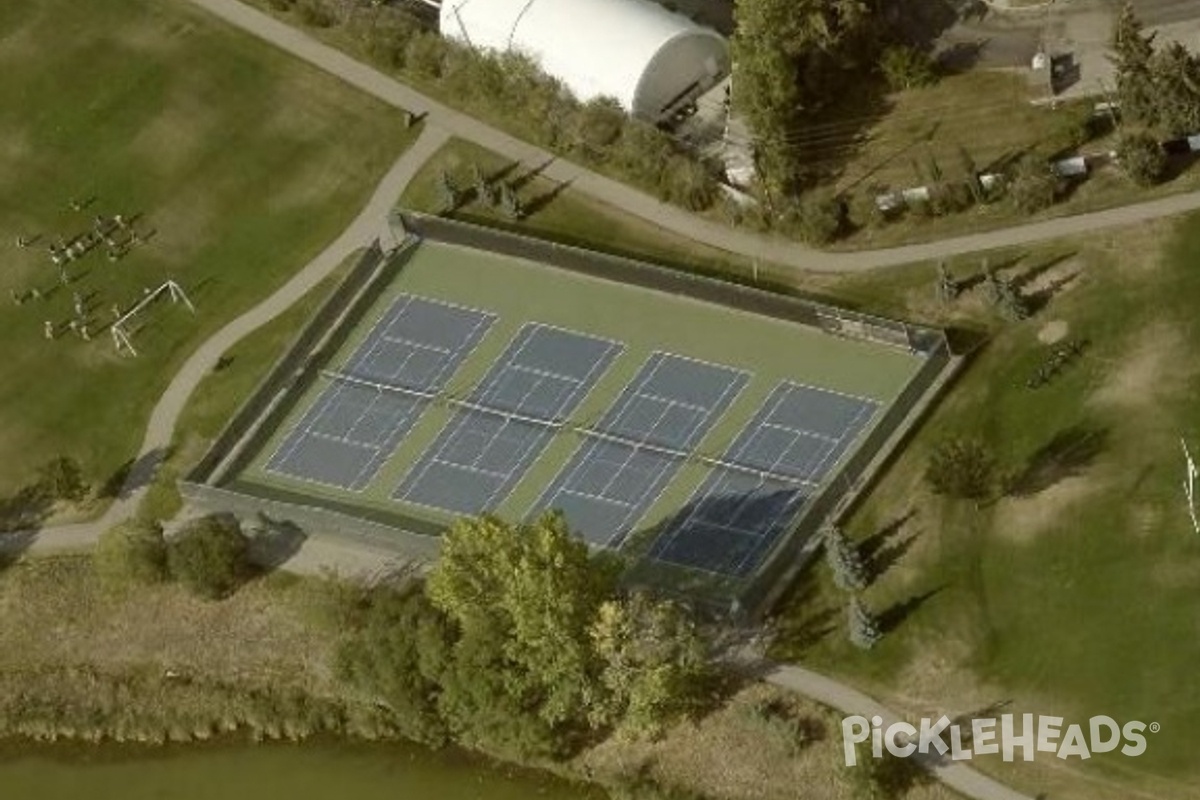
<point>513,414</point>
<point>778,460</point>
<point>631,455</point>
<point>687,435</point>
<point>354,426</point>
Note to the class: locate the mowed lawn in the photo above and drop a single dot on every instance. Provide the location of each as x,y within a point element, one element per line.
<point>240,163</point>
<point>1081,596</point>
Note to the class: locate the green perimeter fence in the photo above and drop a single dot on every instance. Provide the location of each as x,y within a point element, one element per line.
<point>212,485</point>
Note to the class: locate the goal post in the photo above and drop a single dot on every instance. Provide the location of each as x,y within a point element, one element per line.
<point>122,338</point>
<point>1189,484</point>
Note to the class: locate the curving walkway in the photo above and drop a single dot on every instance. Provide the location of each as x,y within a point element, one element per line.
<point>678,221</point>
<point>362,231</point>
<point>441,123</point>
<point>848,700</point>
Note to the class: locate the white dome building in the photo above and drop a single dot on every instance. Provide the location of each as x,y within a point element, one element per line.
<point>651,60</point>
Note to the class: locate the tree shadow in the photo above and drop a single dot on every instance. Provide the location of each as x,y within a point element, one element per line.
<point>802,620</point>
<point>871,545</point>
<point>141,471</point>
<point>526,177</point>
<point>13,546</point>
<point>497,175</point>
<point>960,57</point>
<point>25,509</point>
<point>893,617</point>
<point>1035,271</point>
<point>273,541</point>
<point>544,199</point>
<point>1067,454</point>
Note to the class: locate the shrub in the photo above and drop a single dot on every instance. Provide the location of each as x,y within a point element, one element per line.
<point>131,553</point>
<point>62,478</point>
<point>1032,185</point>
<point>689,183</point>
<point>905,67</point>
<point>281,5</point>
<point>819,218</point>
<point>209,556</point>
<point>315,15</point>
<point>960,468</point>
<point>1142,158</point>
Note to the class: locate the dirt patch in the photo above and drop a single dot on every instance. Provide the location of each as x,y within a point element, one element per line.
<point>1020,519</point>
<point>172,139</point>
<point>1053,331</point>
<point>733,754</point>
<point>56,614</point>
<point>1157,365</point>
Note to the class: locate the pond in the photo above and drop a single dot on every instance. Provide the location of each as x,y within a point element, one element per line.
<point>311,771</point>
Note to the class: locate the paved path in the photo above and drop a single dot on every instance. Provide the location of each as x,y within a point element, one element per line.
<point>714,234</point>
<point>159,430</point>
<point>848,700</point>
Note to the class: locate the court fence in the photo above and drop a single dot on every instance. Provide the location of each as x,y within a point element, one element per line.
<point>831,319</point>
<point>264,409</point>
<point>211,485</point>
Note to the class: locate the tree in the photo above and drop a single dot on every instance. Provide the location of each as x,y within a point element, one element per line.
<point>849,571</point>
<point>1132,52</point>
<point>1010,302</point>
<point>1176,74</point>
<point>510,204</point>
<point>1032,185</point>
<point>960,468</point>
<point>1141,158</point>
<point>654,664</point>
<point>906,67</point>
<point>483,189</point>
<point>598,125</point>
<point>819,218</point>
<point>447,192</point>
<point>62,478</point>
<point>397,652</point>
<point>209,556</point>
<point>131,553</point>
<point>530,593</point>
<point>863,630</point>
<point>794,58</point>
<point>971,175</point>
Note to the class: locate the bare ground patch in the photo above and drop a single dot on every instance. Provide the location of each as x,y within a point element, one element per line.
<point>56,615</point>
<point>1157,365</point>
<point>1020,519</point>
<point>727,754</point>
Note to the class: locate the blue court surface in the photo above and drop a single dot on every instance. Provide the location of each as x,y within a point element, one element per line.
<point>354,425</point>
<point>512,415</point>
<point>778,460</point>
<point>640,443</point>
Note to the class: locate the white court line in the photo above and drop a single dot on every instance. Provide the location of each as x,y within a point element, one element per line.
<point>494,379</point>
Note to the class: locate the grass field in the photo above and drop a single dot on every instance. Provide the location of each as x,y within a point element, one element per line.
<point>1079,594</point>
<point>241,162</point>
<point>560,213</point>
<point>645,321</point>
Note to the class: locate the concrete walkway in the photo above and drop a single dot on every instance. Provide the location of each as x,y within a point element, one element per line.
<point>675,220</point>
<point>848,700</point>
<point>161,426</point>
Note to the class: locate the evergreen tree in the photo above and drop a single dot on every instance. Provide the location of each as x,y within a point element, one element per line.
<point>510,204</point>
<point>1177,83</point>
<point>1132,51</point>
<point>947,287</point>
<point>483,189</point>
<point>447,193</point>
<point>863,628</point>
<point>1010,302</point>
<point>849,572</point>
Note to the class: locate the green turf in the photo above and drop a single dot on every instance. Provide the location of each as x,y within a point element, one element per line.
<point>1089,606</point>
<point>243,163</point>
<point>645,321</point>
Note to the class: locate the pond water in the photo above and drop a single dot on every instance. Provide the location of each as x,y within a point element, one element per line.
<point>322,771</point>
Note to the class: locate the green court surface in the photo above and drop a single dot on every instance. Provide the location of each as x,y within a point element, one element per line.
<point>519,292</point>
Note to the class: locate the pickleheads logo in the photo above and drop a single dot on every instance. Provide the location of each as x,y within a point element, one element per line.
<point>1006,735</point>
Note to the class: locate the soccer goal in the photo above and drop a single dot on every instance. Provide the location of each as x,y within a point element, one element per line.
<point>1189,485</point>
<point>121,331</point>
